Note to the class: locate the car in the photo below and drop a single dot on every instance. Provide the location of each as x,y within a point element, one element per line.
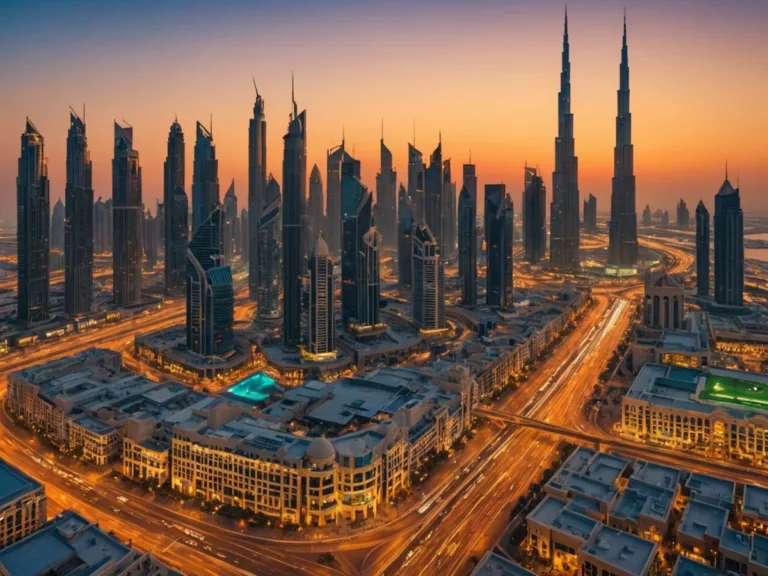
<point>221,555</point>
<point>122,499</point>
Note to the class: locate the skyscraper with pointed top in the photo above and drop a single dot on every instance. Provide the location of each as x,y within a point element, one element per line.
<point>176,210</point>
<point>702,250</point>
<point>386,204</point>
<point>433,193</point>
<point>205,177</point>
<point>58,215</point>
<point>406,220</point>
<point>729,245</point>
<point>448,241</point>
<point>316,204</point>
<point>229,229</point>
<point>622,229</point>
<point>336,156</point>
<point>467,247</point>
<point>564,210</point>
<point>32,227</point>
<point>416,177</point>
<point>127,216</point>
<point>294,187</point>
<point>534,216</point>
<point>257,184</point>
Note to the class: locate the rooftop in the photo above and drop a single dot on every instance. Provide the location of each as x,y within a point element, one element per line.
<point>736,541</point>
<point>14,483</point>
<point>688,567</point>
<point>712,490</point>
<point>642,499</point>
<point>496,565</point>
<point>656,474</point>
<point>552,512</point>
<point>702,520</point>
<point>756,502</point>
<point>627,552</point>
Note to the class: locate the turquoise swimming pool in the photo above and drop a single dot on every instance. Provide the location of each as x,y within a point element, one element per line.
<point>255,388</point>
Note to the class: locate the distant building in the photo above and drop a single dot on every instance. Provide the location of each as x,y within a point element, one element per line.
<point>386,202</point>
<point>205,177</point>
<point>428,293</point>
<point>316,206</point>
<point>230,228</point>
<point>23,505</point>
<point>664,301</point>
<point>702,250</point>
<point>469,181</point>
<point>244,241</point>
<point>534,216</point>
<point>127,209</point>
<point>647,217</point>
<point>665,219</point>
<point>102,226</point>
<point>335,157</point>
<point>433,194</point>
<point>499,233</point>
<point>322,321</point>
<point>729,246</point>
<point>683,215</point>
<point>448,245</point>
<point>590,214</point>
<point>467,248</point>
<point>150,240</point>
<point>176,210</point>
<point>406,222</point>
<point>416,181</point>
<point>270,273</point>
<point>57,226</point>
<point>257,188</point>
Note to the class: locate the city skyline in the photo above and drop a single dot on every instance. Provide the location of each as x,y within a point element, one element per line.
<point>527,124</point>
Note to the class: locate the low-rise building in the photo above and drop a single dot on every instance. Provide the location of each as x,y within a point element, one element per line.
<point>754,508</point>
<point>612,551</point>
<point>711,490</point>
<point>556,532</point>
<point>685,566</point>
<point>700,529</point>
<point>495,565</point>
<point>742,553</point>
<point>23,505</point>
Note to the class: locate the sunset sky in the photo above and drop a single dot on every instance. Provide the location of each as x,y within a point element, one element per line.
<point>485,72</point>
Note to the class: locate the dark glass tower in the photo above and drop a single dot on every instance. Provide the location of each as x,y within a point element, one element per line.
<point>428,293</point>
<point>336,156</point>
<point>729,246</point>
<point>205,177</point>
<point>270,271</point>
<point>416,183</point>
<point>33,227</point>
<point>386,204</point>
<point>257,184</point>
<point>316,204</point>
<point>470,183</point>
<point>58,215</point>
<point>78,222</point>
<point>499,233</point>
<point>176,221</point>
<point>534,216</point>
<point>229,238</point>
<point>448,242</point>
<point>564,211</point>
<point>406,221</point>
<point>210,292</point>
<point>590,214</point>
<point>702,250</point>
<point>433,195</point>
<point>128,213</point>
<point>683,215</point>
<point>467,248</point>
<point>622,229</point>
<point>294,187</point>
<point>322,328</point>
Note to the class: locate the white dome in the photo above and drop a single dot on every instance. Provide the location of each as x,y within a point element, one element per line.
<point>320,449</point>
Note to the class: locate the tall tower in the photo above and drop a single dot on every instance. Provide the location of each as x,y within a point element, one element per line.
<point>33,227</point>
<point>294,187</point>
<point>336,156</point>
<point>386,204</point>
<point>210,291</point>
<point>433,194</point>
<point>683,215</point>
<point>622,229</point>
<point>590,214</point>
<point>229,239</point>
<point>322,329</point>
<point>416,177</point>
<point>270,273</point>
<point>469,181</point>
<point>176,221</point>
<point>127,216</point>
<point>702,250</point>
<point>257,184</point>
<point>205,177</point>
<point>58,215</point>
<point>467,247</point>
<point>316,204</point>
<point>406,220</point>
<point>448,242</point>
<point>534,216</point>
<point>428,294</point>
<point>729,246</point>
<point>499,233</point>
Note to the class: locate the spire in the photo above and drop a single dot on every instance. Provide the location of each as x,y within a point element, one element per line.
<point>565,30</point>
<point>726,169</point>
<point>625,27</point>
<point>343,135</point>
<point>293,98</point>
<point>255,87</point>
<point>439,136</point>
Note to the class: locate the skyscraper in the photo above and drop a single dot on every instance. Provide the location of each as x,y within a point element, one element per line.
<point>210,291</point>
<point>336,156</point>
<point>316,205</point>
<point>534,216</point>
<point>127,211</point>
<point>622,229</point>
<point>665,219</point>
<point>469,181</point>
<point>499,234</point>
<point>32,227</point>
<point>205,177</point>
<point>360,256</point>
<point>590,214</point>
<point>257,185</point>
<point>150,240</point>
<point>294,186</point>
<point>467,247</point>
<point>433,194</point>
<point>416,177</point>
<point>428,294</point>
<point>683,215</point>
<point>270,273</point>
<point>244,237</point>
<point>102,226</point>
<point>386,204</point>
<point>322,328</point>
<point>448,245</point>
<point>57,225</point>
<point>176,225</point>
<point>729,246</point>
<point>229,239</point>
<point>564,211</point>
<point>406,221</point>
<point>702,250</point>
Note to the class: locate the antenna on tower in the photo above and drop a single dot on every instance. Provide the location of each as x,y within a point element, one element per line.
<point>726,169</point>
<point>254,85</point>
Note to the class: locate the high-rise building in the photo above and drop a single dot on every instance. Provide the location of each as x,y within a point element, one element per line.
<point>322,327</point>
<point>270,273</point>
<point>499,234</point>
<point>428,293</point>
<point>534,216</point>
<point>647,216</point>
<point>702,250</point>
<point>469,182</point>
<point>622,229</point>
<point>316,209</point>
<point>176,225</point>
<point>683,215</point>
<point>729,246</point>
<point>160,215</point>
<point>448,245</point>
<point>467,247</point>
<point>336,156</point>
<point>294,187</point>
<point>205,177</point>
<point>433,193</point>
<point>244,242</point>
<point>210,291</point>
<point>57,225</point>
<point>590,214</point>
<point>102,226</point>
<point>665,219</point>
<point>127,215</point>
<point>257,186</point>
<point>564,211</point>
<point>406,220</point>
<point>150,240</point>
<point>386,204</point>
<point>32,227</point>
<point>230,231</point>
<point>360,252</point>
<point>416,180</point>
